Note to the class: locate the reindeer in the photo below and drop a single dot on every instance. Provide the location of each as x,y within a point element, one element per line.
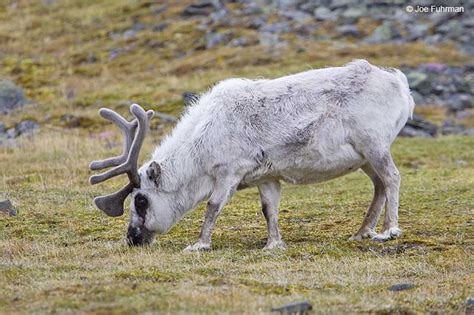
<point>304,128</point>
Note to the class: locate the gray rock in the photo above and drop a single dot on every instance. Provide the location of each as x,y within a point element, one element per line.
<point>27,127</point>
<point>417,30</point>
<point>129,34</point>
<point>348,30</point>
<point>268,39</point>
<point>324,14</point>
<point>401,287</point>
<point>7,207</point>
<point>383,33</point>
<point>417,98</point>
<point>419,81</point>
<point>280,27</point>
<point>202,8</point>
<point>292,308</point>
<point>2,128</point>
<point>355,12</point>
<point>295,15</point>
<point>214,39</point>
<point>218,16</point>
<point>460,102</point>
<point>11,96</point>
<point>251,8</point>
<point>238,42</point>
<point>419,127</point>
<point>12,133</point>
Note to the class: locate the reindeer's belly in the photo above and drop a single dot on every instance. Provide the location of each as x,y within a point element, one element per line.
<point>311,165</point>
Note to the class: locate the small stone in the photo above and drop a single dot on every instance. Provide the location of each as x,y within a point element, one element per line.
<point>355,12</point>
<point>160,27</point>
<point>401,287</point>
<point>27,127</point>
<point>348,30</point>
<point>214,39</point>
<point>324,14</point>
<point>383,33</point>
<point>11,96</point>
<point>6,207</point>
<point>291,308</point>
<point>129,34</point>
<point>281,27</point>
<point>2,128</point>
<point>202,8</point>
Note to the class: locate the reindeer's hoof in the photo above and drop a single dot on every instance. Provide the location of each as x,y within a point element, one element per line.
<point>390,234</point>
<point>198,247</point>
<point>361,235</point>
<point>272,245</point>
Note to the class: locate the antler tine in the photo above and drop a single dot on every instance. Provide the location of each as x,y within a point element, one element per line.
<point>143,125</point>
<point>129,158</point>
<point>128,131</point>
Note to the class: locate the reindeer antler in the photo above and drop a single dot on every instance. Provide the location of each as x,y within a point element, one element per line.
<point>134,133</point>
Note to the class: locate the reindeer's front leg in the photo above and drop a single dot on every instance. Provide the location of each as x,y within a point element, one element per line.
<point>223,191</point>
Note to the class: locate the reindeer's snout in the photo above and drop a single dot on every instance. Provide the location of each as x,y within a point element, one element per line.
<point>138,236</point>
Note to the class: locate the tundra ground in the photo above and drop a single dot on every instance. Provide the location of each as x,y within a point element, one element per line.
<point>62,255</point>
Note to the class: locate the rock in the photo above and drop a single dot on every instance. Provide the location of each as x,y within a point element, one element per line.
<point>450,128</point>
<point>11,96</point>
<point>417,98</point>
<point>257,22</point>
<point>383,33</point>
<point>252,8</point>
<point>2,128</point>
<point>203,8</point>
<point>417,31</point>
<point>296,15</point>
<point>129,34</point>
<point>419,81</point>
<point>190,98</point>
<point>160,27</point>
<point>469,306</point>
<point>268,39</point>
<point>27,127</point>
<point>419,127</point>
<point>214,39</point>
<point>239,42</point>
<point>281,27</point>
<point>218,16</point>
<point>12,133</point>
<point>6,207</point>
<point>324,14</point>
<point>355,13</point>
<point>460,102</point>
<point>401,287</point>
<point>292,308</point>
<point>348,30</point>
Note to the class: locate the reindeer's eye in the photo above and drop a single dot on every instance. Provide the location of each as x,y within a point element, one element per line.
<point>141,204</point>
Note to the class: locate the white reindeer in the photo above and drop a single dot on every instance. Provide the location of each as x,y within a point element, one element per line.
<point>304,128</point>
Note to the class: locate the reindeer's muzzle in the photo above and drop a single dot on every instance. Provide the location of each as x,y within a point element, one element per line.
<point>138,236</point>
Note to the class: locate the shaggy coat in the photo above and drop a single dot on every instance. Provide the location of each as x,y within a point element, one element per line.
<point>304,128</point>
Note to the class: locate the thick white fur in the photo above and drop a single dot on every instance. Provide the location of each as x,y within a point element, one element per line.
<point>303,128</point>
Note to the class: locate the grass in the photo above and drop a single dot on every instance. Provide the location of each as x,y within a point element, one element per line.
<point>62,255</point>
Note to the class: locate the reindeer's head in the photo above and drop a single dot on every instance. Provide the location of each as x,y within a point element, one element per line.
<point>141,188</point>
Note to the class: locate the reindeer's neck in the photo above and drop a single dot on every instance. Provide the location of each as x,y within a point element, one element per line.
<point>183,177</point>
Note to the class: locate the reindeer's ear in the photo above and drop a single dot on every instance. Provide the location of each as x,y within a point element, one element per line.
<point>153,172</point>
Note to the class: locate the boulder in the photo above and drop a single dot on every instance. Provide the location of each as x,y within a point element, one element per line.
<point>420,82</point>
<point>7,207</point>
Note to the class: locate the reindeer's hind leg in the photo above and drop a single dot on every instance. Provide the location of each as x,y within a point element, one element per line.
<point>270,198</point>
<point>382,163</point>
<point>367,229</point>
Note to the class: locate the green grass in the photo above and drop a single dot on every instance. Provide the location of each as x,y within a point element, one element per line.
<point>62,255</point>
